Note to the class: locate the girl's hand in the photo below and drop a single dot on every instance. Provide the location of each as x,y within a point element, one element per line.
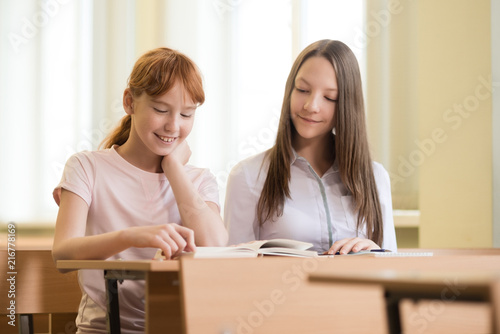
<point>172,239</point>
<point>180,155</point>
<point>347,245</point>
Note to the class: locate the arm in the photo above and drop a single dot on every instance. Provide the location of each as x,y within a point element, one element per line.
<point>200,216</point>
<point>240,207</point>
<point>70,241</point>
<point>385,199</point>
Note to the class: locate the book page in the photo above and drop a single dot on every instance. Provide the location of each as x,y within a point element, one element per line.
<point>287,243</point>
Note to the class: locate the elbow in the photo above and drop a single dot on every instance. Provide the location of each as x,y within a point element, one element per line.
<point>56,256</point>
<point>223,239</point>
<point>60,251</point>
<point>217,240</point>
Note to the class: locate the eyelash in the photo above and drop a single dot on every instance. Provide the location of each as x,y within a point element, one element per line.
<point>305,91</point>
<point>165,111</point>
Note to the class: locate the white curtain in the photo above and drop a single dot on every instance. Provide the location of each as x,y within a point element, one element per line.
<point>64,65</point>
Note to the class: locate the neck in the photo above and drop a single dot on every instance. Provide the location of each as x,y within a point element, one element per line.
<point>140,157</point>
<point>319,152</point>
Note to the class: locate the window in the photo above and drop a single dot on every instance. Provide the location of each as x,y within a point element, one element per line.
<point>64,66</point>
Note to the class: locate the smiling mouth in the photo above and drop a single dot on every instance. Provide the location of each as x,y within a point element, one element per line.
<point>308,119</point>
<point>166,139</point>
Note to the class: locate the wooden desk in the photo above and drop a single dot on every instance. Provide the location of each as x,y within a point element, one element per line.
<point>39,289</point>
<point>455,251</point>
<point>163,310</point>
<point>271,294</point>
<point>418,285</point>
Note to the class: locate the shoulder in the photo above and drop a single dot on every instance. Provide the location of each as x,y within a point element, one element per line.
<point>380,173</point>
<point>92,155</point>
<point>382,180</point>
<point>249,173</point>
<point>91,161</point>
<point>252,166</point>
<point>83,159</point>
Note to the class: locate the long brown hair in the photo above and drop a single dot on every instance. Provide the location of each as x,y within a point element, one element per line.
<point>155,73</point>
<point>351,142</point>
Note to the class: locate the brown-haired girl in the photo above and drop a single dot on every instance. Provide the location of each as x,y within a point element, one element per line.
<point>317,183</point>
<point>138,194</point>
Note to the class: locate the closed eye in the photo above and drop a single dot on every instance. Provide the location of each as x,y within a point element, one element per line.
<point>301,90</point>
<point>330,99</point>
<point>160,111</point>
<point>187,115</point>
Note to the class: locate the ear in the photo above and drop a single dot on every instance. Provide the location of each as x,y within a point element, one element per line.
<point>128,101</point>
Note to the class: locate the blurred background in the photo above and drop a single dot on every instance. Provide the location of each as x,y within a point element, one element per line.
<point>431,75</point>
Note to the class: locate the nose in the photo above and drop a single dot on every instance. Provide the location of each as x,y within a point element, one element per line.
<point>172,123</point>
<point>312,103</point>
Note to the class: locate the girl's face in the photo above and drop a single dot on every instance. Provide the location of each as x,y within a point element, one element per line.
<point>161,123</point>
<point>313,99</point>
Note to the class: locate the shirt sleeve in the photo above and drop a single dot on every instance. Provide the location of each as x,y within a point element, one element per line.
<point>78,177</point>
<point>240,207</point>
<point>383,182</point>
<point>208,188</point>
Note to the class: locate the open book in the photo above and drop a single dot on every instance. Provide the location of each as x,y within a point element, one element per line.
<point>279,247</point>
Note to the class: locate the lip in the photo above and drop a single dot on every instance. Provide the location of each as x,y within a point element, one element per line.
<point>308,120</point>
<point>167,140</point>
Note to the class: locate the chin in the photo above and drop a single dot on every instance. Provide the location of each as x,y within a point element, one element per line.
<point>163,151</point>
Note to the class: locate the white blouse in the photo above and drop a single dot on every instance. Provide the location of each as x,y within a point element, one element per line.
<point>320,210</point>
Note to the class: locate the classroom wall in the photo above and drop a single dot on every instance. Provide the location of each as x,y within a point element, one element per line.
<point>455,115</point>
<point>391,93</point>
<point>495,67</point>
<point>429,107</point>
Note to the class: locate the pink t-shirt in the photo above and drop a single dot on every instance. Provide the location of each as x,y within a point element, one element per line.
<point>120,195</point>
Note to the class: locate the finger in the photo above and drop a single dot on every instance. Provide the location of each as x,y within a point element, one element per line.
<point>336,246</point>
<point>363,244</point>
<point>369,244</point>
<point>179,240</point>
<point>360,245</point>
<point>165,248</point>
<point>188,236</point>
<point>349,245</point>
<point>167,239</point>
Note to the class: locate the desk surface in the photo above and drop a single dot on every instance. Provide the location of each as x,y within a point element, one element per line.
<point>136,265</point>
<point>441,257</point>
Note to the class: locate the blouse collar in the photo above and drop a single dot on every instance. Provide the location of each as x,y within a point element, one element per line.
<point>296,158</point>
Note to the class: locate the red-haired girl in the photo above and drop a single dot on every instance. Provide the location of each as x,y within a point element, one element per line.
<point>138,194</point>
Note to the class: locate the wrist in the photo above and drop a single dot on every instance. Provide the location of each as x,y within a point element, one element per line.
<point>123,237</point>
<point>171,166</point>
